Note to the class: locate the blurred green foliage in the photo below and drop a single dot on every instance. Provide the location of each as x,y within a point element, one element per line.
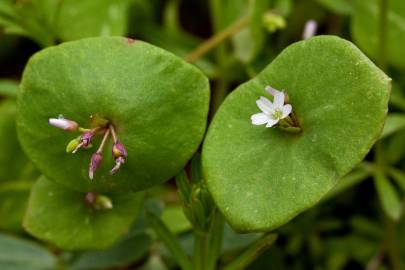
<point>358,225</point>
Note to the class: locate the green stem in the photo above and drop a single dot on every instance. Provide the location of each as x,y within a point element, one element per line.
<point>252,252</point>
<point>383,20</point>
<point>392,247</point>
<point>170,241</point>
<point>201,245</point>
<point>217,39</point>
<point>216,233</point>
<point>219,94</point>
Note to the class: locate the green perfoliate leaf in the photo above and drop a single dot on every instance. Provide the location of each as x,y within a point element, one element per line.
<point>259,177</point>
<point>157,102</point>
<point>365,29</point>
<point>63,217</point>
<point>18,254</point>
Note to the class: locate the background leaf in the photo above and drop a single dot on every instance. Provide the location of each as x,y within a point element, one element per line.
<point>365,29</point>
<point>61,216</point>
<point>18,254</point>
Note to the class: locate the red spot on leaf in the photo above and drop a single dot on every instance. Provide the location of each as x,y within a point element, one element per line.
<point>130,40</point>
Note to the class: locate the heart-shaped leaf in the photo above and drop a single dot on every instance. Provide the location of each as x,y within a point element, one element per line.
<point>259,177</point>
<point>365,29</point>
<point>157,103</point>
<point>70,219</point>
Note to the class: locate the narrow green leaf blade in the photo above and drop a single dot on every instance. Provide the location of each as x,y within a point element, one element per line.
<point>169,241</point>
<point>389,197</point>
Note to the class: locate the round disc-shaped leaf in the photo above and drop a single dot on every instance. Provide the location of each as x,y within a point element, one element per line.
<point>261,177</point>
<point>157,103</point>
<point>63,217</point>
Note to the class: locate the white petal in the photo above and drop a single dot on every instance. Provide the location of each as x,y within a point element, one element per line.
<point>59,123</point>
<point>272,91</point>
<point>286,110</point>
<point>271,123</point>
<point>263,104</point>
<point>64,124</point>
<point>278,99</point>
<point>267,103</point>
<point>259,119</point>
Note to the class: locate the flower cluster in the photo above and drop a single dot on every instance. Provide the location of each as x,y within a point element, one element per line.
<point>119,152</point>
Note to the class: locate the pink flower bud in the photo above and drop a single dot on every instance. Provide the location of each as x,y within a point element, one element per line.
<point>95,162</point>
<point>86,137</point>
<point>65,124</point>
<point>118,162</point>
<point>119,150</point>
<point>310,29</point>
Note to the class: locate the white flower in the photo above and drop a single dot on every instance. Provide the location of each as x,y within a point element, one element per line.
<point>64,124</point>
<point>272,112</point>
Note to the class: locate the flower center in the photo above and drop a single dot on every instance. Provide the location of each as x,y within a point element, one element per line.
<point>277,114</point>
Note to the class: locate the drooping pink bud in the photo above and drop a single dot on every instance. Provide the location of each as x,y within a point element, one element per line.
<point>95,162</point>
<point>119,150</point>
<point>65,124</point>
<point>119,153</point>
<point>118,162</point>
<point>85,140</point>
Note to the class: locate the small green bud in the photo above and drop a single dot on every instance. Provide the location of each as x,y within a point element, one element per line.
<point>273,22</point>
<point>103,203</point>
<point>72,145</point>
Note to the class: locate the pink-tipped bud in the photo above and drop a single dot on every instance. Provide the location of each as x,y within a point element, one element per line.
<point>119,150</point>
<point>119,153</point>
<point>95,162</point>
<point>310,29</point>
<point>90,198</point>
<point>85,140</point>
<point>65,124</point>
<point>118,162</point>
